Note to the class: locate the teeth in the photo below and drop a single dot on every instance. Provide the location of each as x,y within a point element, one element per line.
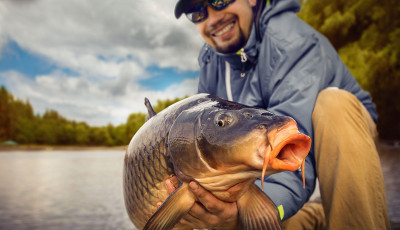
<point>224,30</point>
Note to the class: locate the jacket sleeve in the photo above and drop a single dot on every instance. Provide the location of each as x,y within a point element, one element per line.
<point>300,63</point>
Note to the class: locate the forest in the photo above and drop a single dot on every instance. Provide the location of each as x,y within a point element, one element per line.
<point>365,33</point>
<point>19,123</point>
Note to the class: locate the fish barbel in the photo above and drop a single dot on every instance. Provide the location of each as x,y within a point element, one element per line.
<point>222,145</point>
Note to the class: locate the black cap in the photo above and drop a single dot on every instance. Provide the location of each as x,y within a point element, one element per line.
<point>181,7</point>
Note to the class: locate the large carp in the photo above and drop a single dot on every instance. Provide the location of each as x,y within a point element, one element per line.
<point>222,145</point>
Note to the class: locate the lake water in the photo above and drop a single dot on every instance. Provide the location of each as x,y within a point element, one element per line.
<point>62,190</point>
<point>82,190</point>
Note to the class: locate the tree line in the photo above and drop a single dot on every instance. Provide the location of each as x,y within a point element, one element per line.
<point>366,35</point>
<point>19,123</point>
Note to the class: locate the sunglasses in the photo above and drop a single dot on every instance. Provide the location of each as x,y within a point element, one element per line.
<point>198,12</point>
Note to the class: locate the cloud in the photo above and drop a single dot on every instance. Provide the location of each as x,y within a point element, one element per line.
<point>2,32</point>
<point>106,47</point>
<point>75,33</point>
<point>79,99</point>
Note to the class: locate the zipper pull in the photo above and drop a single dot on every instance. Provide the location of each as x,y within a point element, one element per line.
<point>243,58</point>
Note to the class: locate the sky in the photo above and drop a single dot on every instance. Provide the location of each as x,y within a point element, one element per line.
<point>95,60</point>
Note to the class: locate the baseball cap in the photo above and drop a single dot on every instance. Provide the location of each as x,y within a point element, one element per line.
<point>181,7</point>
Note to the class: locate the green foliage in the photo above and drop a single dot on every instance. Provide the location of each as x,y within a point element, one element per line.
<point>18,123</point>
<point>367,36</point>
<point>5,108</point>
<point>100,136</point>
<point>162,104</point>
<point>119,135</point>
<point>133,123</point>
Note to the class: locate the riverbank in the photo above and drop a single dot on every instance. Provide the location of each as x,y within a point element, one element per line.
<point>5,148</point>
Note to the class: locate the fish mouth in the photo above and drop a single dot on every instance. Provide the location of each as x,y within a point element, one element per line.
<point>288,150</point>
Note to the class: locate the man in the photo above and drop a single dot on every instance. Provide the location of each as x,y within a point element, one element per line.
<point>260,54</point>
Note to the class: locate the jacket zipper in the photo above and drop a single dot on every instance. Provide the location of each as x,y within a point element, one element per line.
<point>243,58</point>
<point>228,81</point>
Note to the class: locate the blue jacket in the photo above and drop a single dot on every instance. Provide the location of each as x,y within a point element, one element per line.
<point>283,72</point>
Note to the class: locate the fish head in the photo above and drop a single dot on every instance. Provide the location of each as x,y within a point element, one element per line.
<point>247,137</point>
<point>224,143</point>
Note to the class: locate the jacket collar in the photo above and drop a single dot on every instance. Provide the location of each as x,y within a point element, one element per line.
<point>245,58</point>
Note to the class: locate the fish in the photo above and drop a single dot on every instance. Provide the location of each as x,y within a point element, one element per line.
<point>222,145</point>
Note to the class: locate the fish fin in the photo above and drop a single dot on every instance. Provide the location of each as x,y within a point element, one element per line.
<point>257,211</point>
<point>172,210</point>
<point>150,110</point>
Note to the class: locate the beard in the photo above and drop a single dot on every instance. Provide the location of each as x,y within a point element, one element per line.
<point>233,46</point>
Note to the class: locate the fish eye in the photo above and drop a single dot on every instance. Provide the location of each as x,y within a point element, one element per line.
<point>247,115</point>
<point>223,119</point>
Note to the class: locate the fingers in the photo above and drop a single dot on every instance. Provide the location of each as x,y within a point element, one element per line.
<point>171,184</point>
<point>199,217</point>
<point>199,212</point>
<point>174,180</point>
<point>212,211</point>
<point>190,221</point>
<point>208,211</point>
<point>210,202</point>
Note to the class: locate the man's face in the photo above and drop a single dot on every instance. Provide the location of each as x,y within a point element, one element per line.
<point>228,30</point>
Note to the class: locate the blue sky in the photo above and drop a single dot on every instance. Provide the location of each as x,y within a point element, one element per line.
<point>96,60</point>
<point>31,65</point>
<point>15,58</point>
<point>162,78</point>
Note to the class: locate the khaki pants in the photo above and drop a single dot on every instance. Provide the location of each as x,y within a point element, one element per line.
<point>348,167</point>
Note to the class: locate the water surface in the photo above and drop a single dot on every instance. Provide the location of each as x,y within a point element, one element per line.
<point>45,190</point>
<point>62,190</point>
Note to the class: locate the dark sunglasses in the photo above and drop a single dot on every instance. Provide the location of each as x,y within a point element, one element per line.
<point>198,12</point>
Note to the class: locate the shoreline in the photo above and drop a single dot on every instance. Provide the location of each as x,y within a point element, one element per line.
<point>382,146</point>
<point>49,148</point>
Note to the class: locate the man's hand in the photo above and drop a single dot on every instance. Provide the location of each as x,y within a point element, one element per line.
<point>209,211</point>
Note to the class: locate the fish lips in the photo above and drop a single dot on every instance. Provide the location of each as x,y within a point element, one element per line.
<point>289,148</point>
<point>290,153</point>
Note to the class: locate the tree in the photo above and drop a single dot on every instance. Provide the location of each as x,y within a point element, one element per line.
<point>82,134</point>
<point>162,104</point>
<point>367,36</point>
<point>133,123</point>
<point>118,134</point>
<point>18,122</point>
<point>99,136</point>
<point>5,113</point>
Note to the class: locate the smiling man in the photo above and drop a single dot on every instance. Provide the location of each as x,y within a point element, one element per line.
<point>227,32</point>
<point>261,54</point>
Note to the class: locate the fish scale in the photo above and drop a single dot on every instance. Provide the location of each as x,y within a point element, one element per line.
<point>149,170</point>
<point>149,157</point>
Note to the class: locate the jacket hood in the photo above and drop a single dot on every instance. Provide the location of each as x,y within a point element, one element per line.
<point>276,7</point>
